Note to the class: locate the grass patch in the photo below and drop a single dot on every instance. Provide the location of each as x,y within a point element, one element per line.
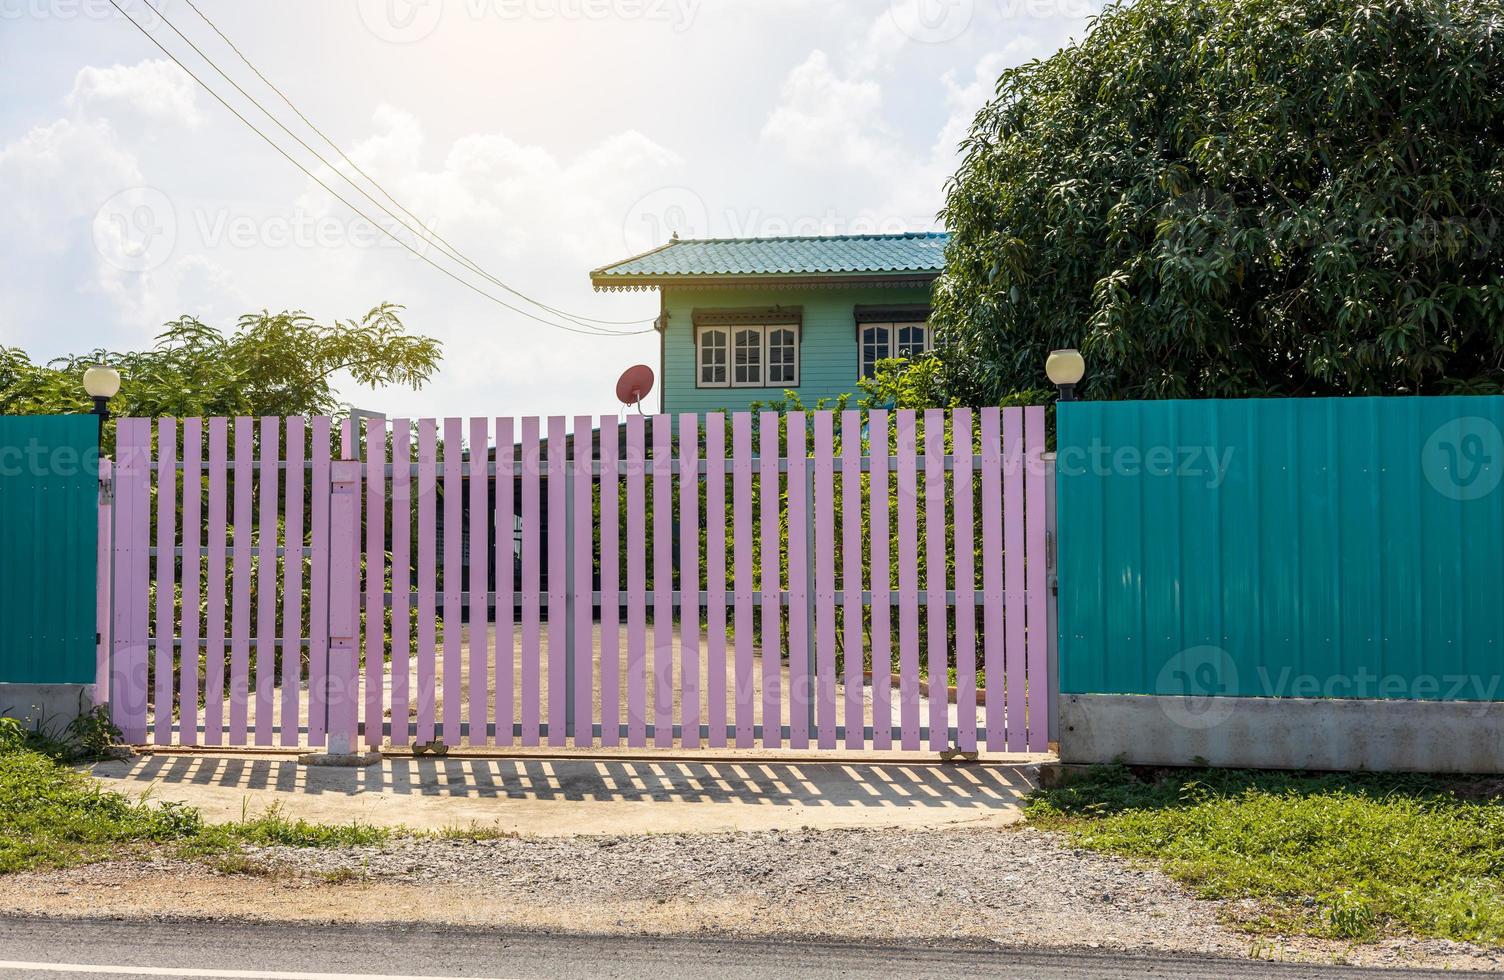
<point>1343,856</point>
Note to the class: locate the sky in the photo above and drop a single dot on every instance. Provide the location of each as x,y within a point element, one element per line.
<point>541,138</point>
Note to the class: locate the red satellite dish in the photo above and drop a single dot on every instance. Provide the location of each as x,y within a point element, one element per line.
<point>634,386</point>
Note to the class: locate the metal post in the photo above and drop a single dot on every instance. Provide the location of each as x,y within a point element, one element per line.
<point>344,606</point>
<point>570,599</point>
<point>1052,616</point>
<point>809,593</point>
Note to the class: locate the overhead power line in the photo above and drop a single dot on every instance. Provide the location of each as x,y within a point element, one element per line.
<point>578,329</point>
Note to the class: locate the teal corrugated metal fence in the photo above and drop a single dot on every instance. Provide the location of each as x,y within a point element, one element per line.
<point>1335,548</point>
<point>49,506</point>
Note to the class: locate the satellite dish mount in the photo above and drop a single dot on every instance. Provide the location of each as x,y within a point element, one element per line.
<point>635,385</point>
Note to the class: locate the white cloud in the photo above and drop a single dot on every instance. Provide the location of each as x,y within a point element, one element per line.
<point>158,91</point>
<point>829,121</point>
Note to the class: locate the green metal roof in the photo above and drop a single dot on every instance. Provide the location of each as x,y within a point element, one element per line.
<point>918,254</point>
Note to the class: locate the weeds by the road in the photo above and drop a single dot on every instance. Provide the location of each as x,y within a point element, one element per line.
<point>1348,856</point>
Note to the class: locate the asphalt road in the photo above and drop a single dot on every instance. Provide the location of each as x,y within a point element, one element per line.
<point>48,950</point>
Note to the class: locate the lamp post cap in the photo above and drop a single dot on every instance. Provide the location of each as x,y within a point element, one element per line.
<point>101,381</point>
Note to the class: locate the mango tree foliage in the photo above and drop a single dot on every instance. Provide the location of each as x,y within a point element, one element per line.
<point>1238,198</point>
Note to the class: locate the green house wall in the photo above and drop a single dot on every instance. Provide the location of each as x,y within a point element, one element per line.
<point>829,364</point>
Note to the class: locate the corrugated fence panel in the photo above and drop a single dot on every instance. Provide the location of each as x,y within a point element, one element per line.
<point>1333,548</point>
<point>49,525</point>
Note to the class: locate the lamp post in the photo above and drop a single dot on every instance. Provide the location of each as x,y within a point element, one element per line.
<point>1066,368</point>
<point>102,383</point>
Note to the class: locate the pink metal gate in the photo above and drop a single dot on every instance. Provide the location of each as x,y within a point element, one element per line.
<point>861,580</point>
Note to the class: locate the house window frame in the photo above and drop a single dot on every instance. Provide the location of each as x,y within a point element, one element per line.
<point>730,326</point>
<point>890,331</point>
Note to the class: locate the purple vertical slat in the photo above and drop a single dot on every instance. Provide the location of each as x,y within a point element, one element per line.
<point>215,584</point>
<point>375,700</point>
<point>193,541</point>
<point>825,580</point>
<point>908,581</point>
<point>966,582</point>
<point>993,594</point>
<point>167,517</point>
<point>882,596</point>
<point>454,581</point>
<point>402,579</point>
<point>344,604</point>
<point>715,578</point>
<point>558,582</point>
<point>104,559</point>
<point>531,565</point>
<point>851,572</point>
<point>610,583</point>
<point>689,578</point>
<point>799,618</point>
<point>663,581</point>
<point>427,680</point>
<point>478,575</point>
<point>1036,570</point>
<point>636,544</point>
<point>583,562</point>
<point>772,600</point>
<point>291,660</point>
<point>506,579</point>
<point>266,580</point>
<point>937,555</point>
<point>742,514</point>
<point>1014,595</point>
<point>132,579</point>
<point>240,595</point>
<point>318,584</point>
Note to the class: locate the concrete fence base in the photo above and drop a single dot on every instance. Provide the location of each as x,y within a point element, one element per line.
<point>1283,733</point>
<point>50,707</point>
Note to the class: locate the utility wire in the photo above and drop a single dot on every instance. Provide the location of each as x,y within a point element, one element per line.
<point>338,197</point>
<point>453,249</point>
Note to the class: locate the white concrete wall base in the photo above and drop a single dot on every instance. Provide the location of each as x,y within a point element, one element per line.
<point>1283,733</point>
<point>50,707</point>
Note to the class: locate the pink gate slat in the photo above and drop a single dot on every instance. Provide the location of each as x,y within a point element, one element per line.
<point>993,594</point>
<point>531,569</point>
<point>715,578</point>
<point>583,563</point>
<point>479,576</point>
<point>966,595</point>
<point>105,564</point>
<point>292,585</point>
<point>1036,487</point>
<point>936,555</point>
<point>266,581</point>
<point>635,545</point>
<point>851,573</point>
<point>772,608</point>
<point>215,581</point>
<point>908,582</point>
<point>402,578</point>
<point>1013,578</point>
<point>167,515</point>
<point>558,583</point>
<point>240,599</point>
<point>825,580</point>
<point>663,581</point>
<point>610,582</point>
<point>799,619</point>
<point>506,571</point>
<point>882,610</point>
<point>375,580</point>
<point>454,613</point>
<point>318,586</point>
<point>741,476</point>
<point>427,679</point>
<point>132,578</point>
<point>193,541</point>
<point>689,578</point>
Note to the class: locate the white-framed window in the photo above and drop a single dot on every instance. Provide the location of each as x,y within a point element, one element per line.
<point>880,341</point>
<point>747,356</point>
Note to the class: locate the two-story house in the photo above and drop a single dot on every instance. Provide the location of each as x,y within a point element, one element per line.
<point>744,320</point>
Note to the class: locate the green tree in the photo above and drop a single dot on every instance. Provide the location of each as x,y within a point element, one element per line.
<point>1238,198</point>
<point>275,364</point>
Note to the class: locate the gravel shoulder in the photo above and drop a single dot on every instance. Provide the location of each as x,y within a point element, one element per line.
<point>1013,887</point>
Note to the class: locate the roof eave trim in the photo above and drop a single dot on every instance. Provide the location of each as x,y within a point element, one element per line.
<point>777,281</point>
